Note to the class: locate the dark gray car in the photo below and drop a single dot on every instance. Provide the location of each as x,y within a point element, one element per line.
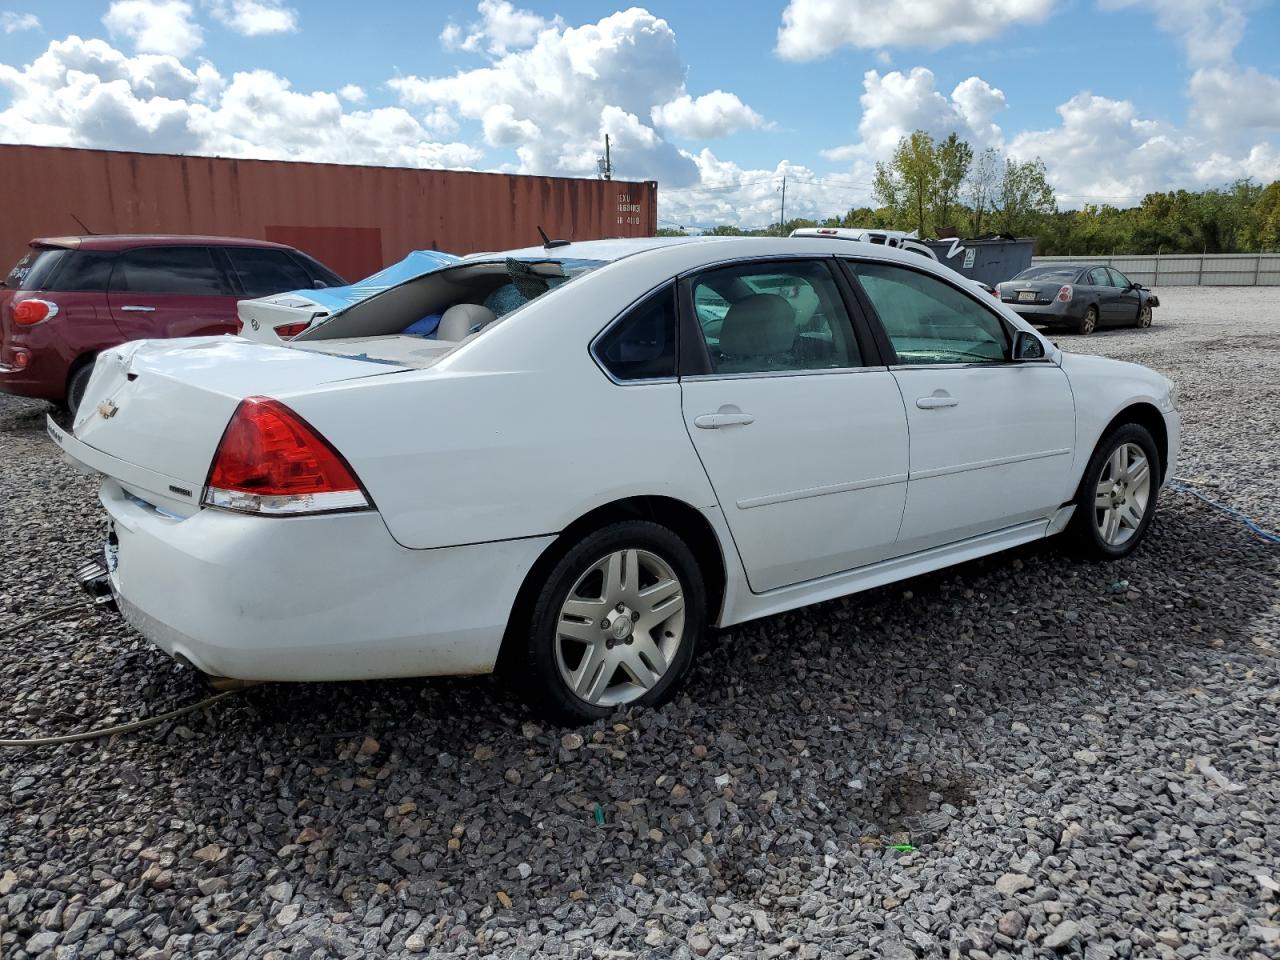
<point>1080,298</point>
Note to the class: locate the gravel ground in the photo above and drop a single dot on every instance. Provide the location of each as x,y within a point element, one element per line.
<point>1084,759</point>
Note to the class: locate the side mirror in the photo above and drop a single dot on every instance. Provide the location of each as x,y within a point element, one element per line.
<point>1027,346</point>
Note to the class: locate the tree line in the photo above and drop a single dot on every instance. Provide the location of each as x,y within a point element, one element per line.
<point>944,189</point>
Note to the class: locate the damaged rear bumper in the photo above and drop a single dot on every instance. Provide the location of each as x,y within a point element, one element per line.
<point>309,598</point>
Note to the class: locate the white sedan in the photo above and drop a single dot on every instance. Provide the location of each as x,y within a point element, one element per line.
<point>602,449</point>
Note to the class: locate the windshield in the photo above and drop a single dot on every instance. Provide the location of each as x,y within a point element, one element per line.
<point>1047,273</point>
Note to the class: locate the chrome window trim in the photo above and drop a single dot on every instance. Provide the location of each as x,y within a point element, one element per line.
<point>757,374</point>
<point>618,318</point>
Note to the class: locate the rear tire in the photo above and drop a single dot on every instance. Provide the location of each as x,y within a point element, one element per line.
<point>1088,323</point>
<point>1117,495</point>
<point>76,384</point>
<point>615,624</point>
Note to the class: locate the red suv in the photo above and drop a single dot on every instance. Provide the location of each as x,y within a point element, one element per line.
<point>71,297</point>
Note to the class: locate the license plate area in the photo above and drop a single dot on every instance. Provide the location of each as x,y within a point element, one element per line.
<point>111,549</point>
<point>1026,296</point>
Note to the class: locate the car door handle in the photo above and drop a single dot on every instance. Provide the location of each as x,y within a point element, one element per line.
<point>136,308</point>
<point>725,418</point>
<point>936,402</point>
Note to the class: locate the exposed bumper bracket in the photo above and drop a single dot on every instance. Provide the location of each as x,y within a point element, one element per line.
<point>93,579</point>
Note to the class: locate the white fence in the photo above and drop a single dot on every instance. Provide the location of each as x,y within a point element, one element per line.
<point>1191,270</point>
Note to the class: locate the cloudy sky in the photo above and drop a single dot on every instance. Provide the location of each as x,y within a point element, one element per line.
<point>715,100</point>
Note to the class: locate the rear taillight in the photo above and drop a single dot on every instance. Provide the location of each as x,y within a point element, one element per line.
<point>287,330</point>
<point>270,461</point>
<point>33,311</point>
<point>1065,293</point>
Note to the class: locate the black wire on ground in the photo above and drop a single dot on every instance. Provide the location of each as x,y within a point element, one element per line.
<point>66,608</point>
<point>100,732</point>
<point>120,727</point>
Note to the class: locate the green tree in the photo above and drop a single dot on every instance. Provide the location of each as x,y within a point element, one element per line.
<point>909,182</point>
<point>953,157</point>
<point>982,186</point>
<point>1024,196</point>
<point>1264,230</point>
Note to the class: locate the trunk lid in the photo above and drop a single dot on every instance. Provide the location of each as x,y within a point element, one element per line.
<point>261,318</point>
<point>162,405</point>
<point>1030,291</point>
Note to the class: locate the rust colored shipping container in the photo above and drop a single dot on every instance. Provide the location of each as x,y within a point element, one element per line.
<point>355,219</point>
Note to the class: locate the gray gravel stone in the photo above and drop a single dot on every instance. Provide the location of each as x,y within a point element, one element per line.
<point>1061,935</point>
<point>770,810</point>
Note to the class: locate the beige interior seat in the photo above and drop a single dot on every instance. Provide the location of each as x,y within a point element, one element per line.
<point>758,327</point>
<point>462,319</point>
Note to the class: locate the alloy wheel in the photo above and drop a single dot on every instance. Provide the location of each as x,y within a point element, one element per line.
<point>1122,495</point>
<point>1090,322</point>
<point>620,628</point>
<point>1144,318</point>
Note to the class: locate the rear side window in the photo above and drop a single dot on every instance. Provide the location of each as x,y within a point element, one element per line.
<point>84,271</point>
<point>318,270</point>
<point>188,270</point>
<point>264,271</point>
<point>773,317</point>
<point>641,345</point>
<point>35,269</point>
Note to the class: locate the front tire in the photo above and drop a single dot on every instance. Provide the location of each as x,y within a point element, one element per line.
<point>1144,317</point>
<point>1088,323</point>
<point>1117,497</point>
<point>616,623</point>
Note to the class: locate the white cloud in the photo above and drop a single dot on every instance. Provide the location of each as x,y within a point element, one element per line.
<point>897,103</point>
<point>571,86</point>
<point>1208,29</point>
<point>352,93</point>
<point>255,18</point>
<point>440,122</point>
<point>86,93</point>
<point>816,28</point>
<point>155,26</point>
<point>502,27</point>
<point>1103,151</point>
<point>714,114</point>
<point>12,22</point>
<point>1234,99</point>
<point>729,194</point>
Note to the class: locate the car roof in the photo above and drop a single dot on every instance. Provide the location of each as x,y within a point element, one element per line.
<point>128,241</point>
<point>605,250</point>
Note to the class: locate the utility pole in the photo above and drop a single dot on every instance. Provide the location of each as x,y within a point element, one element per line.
<point>605,164</point>
<point>782,217</point>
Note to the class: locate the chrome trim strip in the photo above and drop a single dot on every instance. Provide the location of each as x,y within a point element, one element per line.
<point>758,374</point>
<point>982,464</point>
<point>772,498</point>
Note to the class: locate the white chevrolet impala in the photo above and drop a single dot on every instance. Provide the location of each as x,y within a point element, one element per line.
<point>570,460</point>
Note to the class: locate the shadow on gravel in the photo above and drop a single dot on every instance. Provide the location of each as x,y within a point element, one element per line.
<point>871,719</point>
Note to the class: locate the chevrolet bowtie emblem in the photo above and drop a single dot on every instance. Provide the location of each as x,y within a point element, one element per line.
<point>108,409</point>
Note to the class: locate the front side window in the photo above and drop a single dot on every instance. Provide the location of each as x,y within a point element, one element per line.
<point>1118,279</point>
<point>773,317</point>
<point>188,270</point>
<point>263,271</point>
<point>929,321</point>
<point>641,345</point>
